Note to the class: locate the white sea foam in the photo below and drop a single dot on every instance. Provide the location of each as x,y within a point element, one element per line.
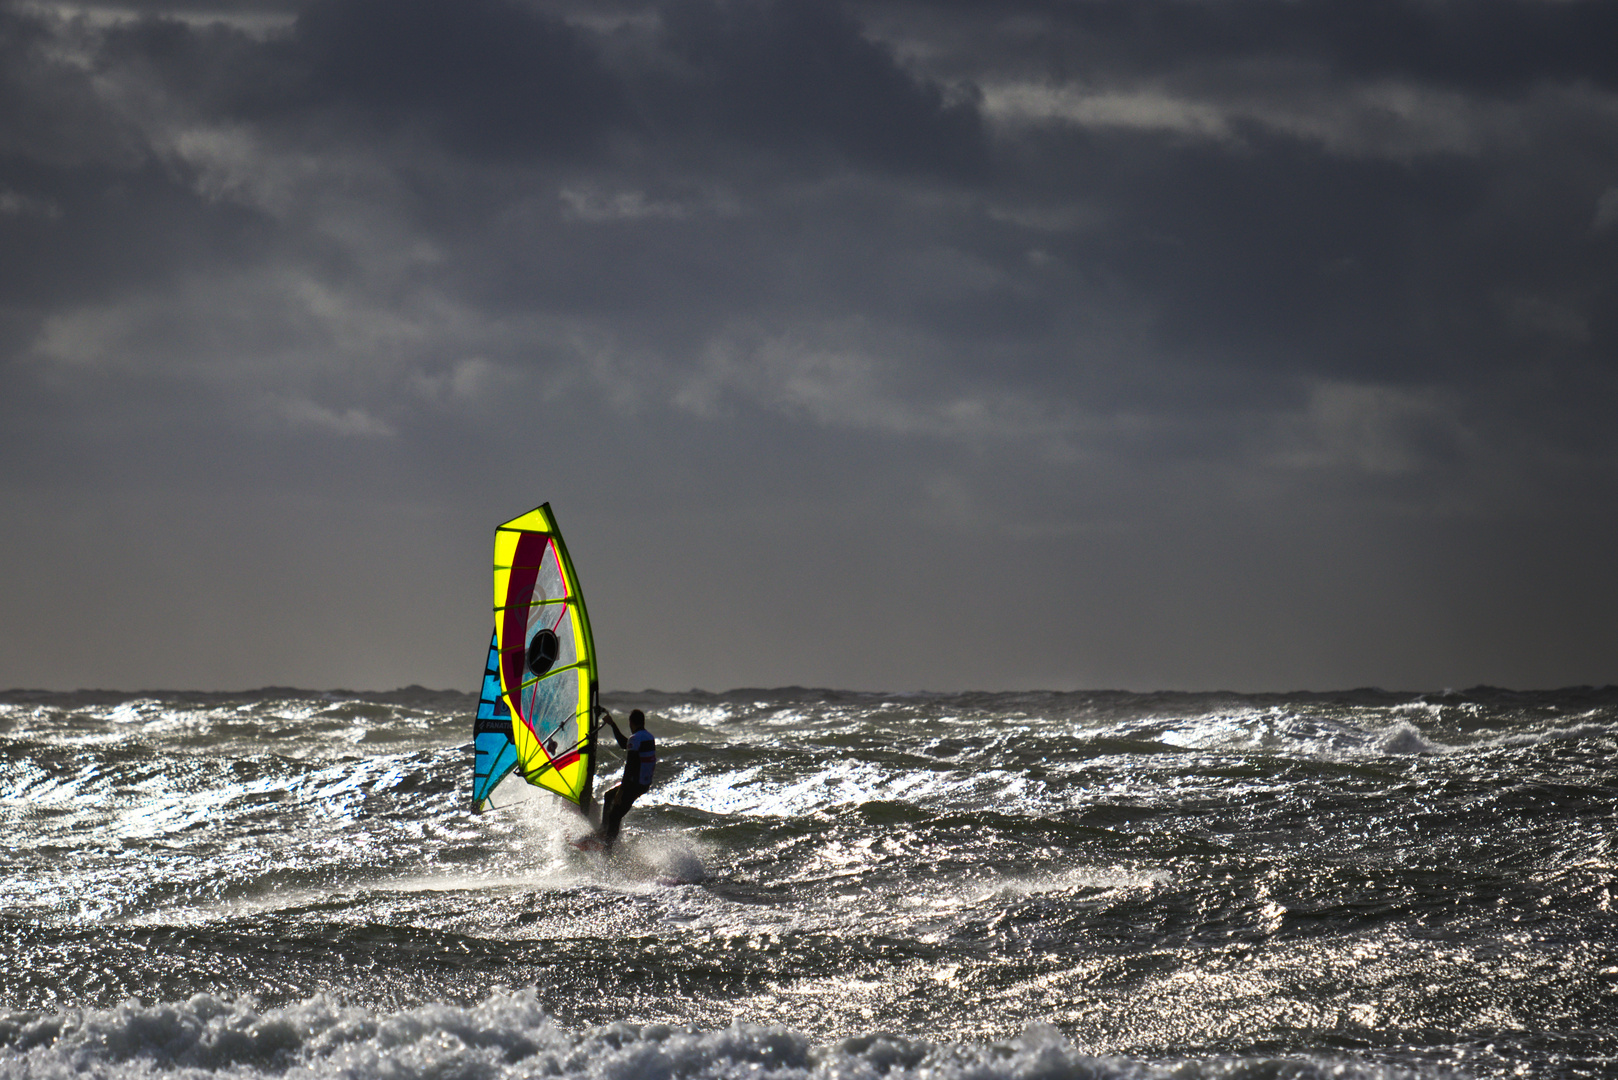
<point>1403,738</point>
<point>1286,732</point>
<point>1097,878</point>
<point>755,792</point>
<point>510,1035</point>
<point>1571,732</point>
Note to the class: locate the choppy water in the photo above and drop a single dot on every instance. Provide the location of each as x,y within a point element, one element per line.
<point>836,885</point>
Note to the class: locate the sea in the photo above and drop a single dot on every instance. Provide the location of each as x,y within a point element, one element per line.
<point>821,885</point>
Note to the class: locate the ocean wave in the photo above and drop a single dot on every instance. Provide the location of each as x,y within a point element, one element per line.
<point>510,1035</point>
<point>1194,881</point>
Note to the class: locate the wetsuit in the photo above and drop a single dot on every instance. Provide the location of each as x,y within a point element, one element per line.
<point>638,767</point>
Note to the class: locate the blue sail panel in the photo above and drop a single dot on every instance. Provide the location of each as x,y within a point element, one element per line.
<point>491,735</point>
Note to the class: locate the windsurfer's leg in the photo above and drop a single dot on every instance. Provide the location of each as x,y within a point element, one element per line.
<point>612,814</point>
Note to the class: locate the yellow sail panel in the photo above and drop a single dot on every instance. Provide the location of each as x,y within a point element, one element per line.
<point>546,655</point>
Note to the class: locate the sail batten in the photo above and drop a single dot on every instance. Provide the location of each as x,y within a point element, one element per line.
<point>529,682</point>
<point>542,663</point>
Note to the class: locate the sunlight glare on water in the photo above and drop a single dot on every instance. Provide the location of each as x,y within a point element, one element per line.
<point>958,886</point>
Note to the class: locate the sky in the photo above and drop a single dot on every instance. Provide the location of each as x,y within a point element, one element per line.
<point>1133,344</point>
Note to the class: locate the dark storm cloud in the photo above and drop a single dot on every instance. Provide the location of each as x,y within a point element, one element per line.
<point>1246,342</point>
<point>1317,187</point>
<point>94,231</point>
<point>484,77</point>
<point>494,77</point>
<point>49,110</point>
<point>1496,46</point>
<point>497,78</point>
<point>1282,257</point>
<point>803,73</point>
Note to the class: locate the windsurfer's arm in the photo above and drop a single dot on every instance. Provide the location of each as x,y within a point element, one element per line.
<point>623,743</point>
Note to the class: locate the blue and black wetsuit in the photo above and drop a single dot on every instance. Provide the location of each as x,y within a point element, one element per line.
<point>638,769</point>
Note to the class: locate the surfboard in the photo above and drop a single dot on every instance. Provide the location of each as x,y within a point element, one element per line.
<point>593,840</point>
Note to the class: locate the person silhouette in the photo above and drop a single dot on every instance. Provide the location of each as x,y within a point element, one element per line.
<point>639,765</point>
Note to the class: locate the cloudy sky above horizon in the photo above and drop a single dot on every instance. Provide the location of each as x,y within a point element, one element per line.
<point>1148,344</point>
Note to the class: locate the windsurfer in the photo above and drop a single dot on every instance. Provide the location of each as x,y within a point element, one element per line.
<point>638,767</point>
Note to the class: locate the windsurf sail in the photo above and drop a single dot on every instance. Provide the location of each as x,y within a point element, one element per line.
<point>496,750</point>
<point>536,717</point>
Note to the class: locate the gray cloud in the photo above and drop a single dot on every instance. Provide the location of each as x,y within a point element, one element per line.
<point>490,79</point>
<point>1495,46</point>
<point>1163,344</point>
<point>802,74</point>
